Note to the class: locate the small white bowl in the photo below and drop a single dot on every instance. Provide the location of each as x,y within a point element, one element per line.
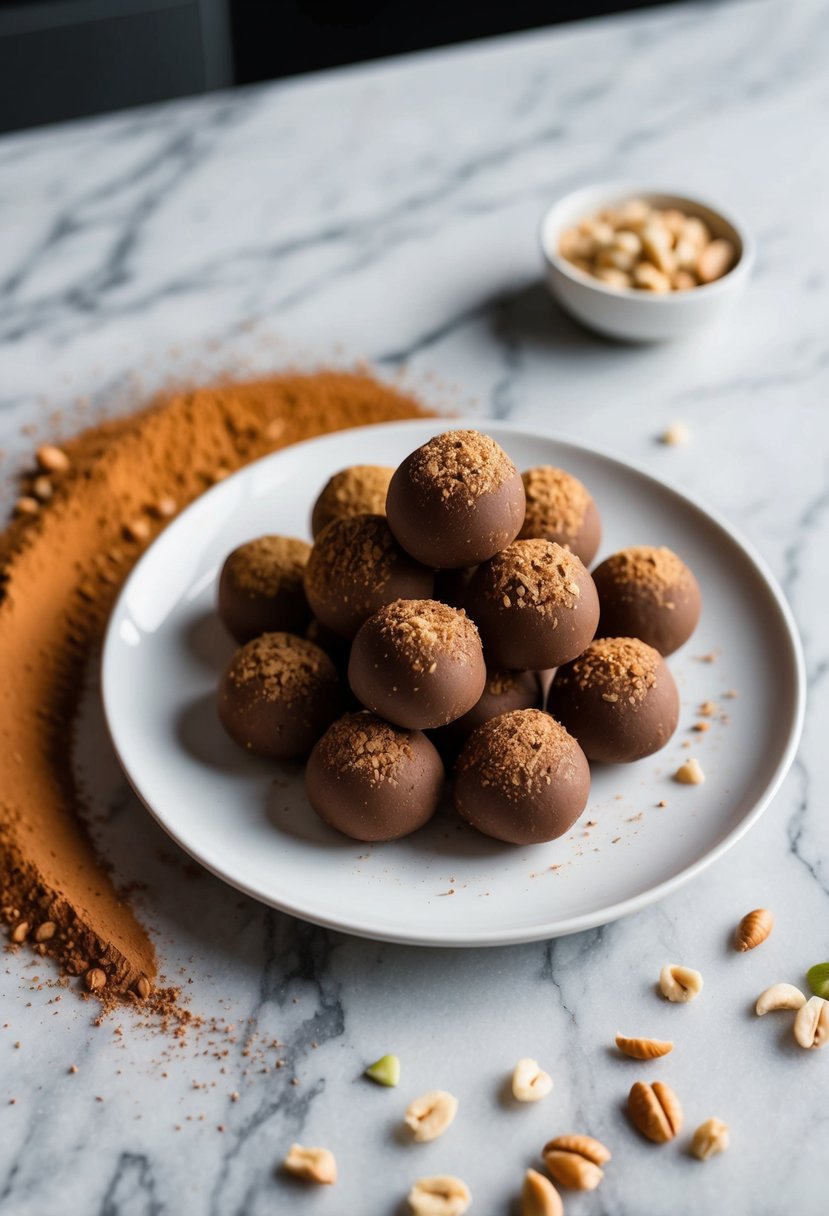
<point>627,313</point>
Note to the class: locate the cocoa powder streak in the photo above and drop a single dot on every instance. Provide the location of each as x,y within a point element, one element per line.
<point>60,571</point>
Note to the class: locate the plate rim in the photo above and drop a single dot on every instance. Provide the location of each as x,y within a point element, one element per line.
<point>552,929</point>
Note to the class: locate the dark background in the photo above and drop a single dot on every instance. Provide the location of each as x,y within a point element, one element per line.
<point>63,59</point>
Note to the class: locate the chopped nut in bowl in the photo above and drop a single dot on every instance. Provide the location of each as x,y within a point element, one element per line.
<point>643,266</point>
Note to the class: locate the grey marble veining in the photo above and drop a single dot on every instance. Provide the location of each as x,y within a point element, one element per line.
<point>391,212</point>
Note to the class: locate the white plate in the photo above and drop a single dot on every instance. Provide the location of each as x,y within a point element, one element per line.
<point>248,821</point>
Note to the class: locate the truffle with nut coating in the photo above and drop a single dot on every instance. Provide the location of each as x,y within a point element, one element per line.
<point>260,587</point>
<point>358,490</point>
<point>456,500</point>
<point>417,663</point>
<point>355,567</point>
<point>521,778</point>
<point>277,696</point>
<point>560,508</point>
<point>648,593</point>
<point>373,781</point>
<point>618,699</point>
<point>535,605</point>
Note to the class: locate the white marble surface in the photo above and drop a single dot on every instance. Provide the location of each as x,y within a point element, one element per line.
<point>390,212</point>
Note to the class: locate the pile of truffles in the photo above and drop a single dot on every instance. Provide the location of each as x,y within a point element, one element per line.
<point>423,637</point>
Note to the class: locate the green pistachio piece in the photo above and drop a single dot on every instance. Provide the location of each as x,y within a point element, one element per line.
<point>385,1071</point>
<point>818,977</point>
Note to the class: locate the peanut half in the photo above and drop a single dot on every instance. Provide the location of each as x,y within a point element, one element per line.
<point>753,929</point>
<point>679,984</point>
<point>441,1195</point>
<point>654,1110</point>
<point>574,1161</point>
<point>539,1197</point>
<point>690,773</point>
<point>710,1138</point>
<point>430,1114</point>
<point>779,996</point>
<point>811,1023</point>
<point>311,1164</point>
<point>529,1082</point>
<point>643,1049</point>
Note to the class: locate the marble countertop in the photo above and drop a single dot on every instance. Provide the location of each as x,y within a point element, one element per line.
<point>390,212</point>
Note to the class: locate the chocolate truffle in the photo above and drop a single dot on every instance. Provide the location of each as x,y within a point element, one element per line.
<point>373,781</point>
<point>560,508</point>
<point>619,699</point>
<point>260,587</point>
<point>277,696</point>
<point>358,490</point>
<point>417,663</point>
<point>650,594</point>
<point>456,501</point>
<point>521,778</point>
<point>535,605</point>
<point>355,567</point>
<point>503,692</point>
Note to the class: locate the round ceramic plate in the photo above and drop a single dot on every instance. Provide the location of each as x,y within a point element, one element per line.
<point>642,835</point>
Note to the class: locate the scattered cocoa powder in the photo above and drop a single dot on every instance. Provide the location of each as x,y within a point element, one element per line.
<point>60,570</point>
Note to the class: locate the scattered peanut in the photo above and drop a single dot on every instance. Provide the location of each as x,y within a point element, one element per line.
<point>137,529</point>
<point>654,1110</point>
<point>539,1197</point>
<point>529,1082</point>
<point>95,979</point>
<point>26,505</point>
<point>643,1049</point>
<point>690,773</point>
<point>635,245</point>
<point>441,1195</point>
<point>42,488</point>
<point>46,931</point>
<point>679,984</point>
<point>676,435</point>
<point>779,996</point>
<point>811,1023</point>
<point>20,932</point>
<point>574,1161</point>
<point>311,1164</point>
<point>164,508</point>
<point>753,929</point>
<point>52,459</point>
<point>143,987</point>
<point>430,1114</point>
<point>710,1138</point>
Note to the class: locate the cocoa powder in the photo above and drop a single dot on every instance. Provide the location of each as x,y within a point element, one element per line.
<point>112,489</point>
